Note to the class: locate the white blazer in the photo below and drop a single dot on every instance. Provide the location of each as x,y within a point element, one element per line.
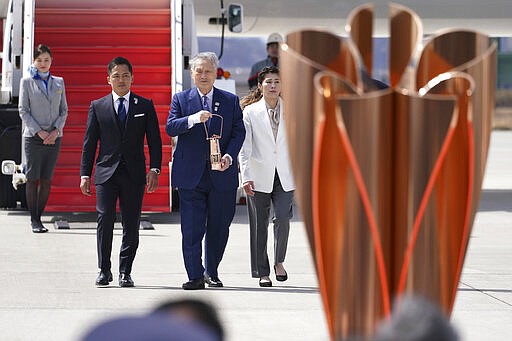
<point>261,155</point>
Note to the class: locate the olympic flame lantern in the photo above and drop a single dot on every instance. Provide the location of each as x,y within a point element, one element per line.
<point>215,155</point>
<point>388,179</point>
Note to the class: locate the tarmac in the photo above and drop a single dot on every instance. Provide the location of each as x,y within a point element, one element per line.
<point>48,290</point>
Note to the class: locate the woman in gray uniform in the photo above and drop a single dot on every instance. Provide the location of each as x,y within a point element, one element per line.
<point>43,110</point>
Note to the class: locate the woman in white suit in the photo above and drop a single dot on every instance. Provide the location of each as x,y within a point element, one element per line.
<point>266,174</point>
<point>43,110</point>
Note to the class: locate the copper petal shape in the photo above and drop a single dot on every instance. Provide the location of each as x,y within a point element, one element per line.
<point>355,288</point>
<point>304,55</point>
<point>388,181</point>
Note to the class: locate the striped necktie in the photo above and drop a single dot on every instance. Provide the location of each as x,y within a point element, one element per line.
<point>205,103</point>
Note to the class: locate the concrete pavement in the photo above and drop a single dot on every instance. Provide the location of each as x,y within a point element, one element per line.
<point>48,291</point>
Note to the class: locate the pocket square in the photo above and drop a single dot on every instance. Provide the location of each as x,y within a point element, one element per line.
<point>139,115</point>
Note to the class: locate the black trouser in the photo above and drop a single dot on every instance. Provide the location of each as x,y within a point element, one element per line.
<point>119,186</point>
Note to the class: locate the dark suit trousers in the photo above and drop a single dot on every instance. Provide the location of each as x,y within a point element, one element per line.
<point>259,213</point>
<point>119,186</point>
<point>205,212</point>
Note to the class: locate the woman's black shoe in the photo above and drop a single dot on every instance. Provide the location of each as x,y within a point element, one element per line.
<point>281,278</point>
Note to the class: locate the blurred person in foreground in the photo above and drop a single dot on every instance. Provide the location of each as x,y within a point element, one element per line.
<point>266,174</point>
<point>416,319</point>
<point>155,327</point>
<point>193,310</point>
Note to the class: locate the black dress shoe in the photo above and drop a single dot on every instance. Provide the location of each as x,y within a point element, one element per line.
<point>265,282</point>
<point>281,278</point>
<point>38,228</point>
<point>104,278</point>
<point>125,280</point>
<point>194,284</point>
<point>213,282</point>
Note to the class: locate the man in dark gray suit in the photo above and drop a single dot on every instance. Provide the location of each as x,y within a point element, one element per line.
<point>120,121</point>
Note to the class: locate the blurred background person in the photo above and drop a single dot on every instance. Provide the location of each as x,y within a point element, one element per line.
<point>273,42</point>
<point>43,111</point>
<point>266,174</point>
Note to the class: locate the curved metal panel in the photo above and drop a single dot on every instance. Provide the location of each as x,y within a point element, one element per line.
<point>406,32</point>
<point>388,181</point>
<point>360,28</point>
<point>305,54</point>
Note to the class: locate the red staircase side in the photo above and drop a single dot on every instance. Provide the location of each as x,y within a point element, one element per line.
<point>80,56</point>
<point>99,36</point>
<point>96,74</point>
<point>84,36</point>
<point>79,17</point>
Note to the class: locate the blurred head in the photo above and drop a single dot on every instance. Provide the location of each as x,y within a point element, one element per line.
<point>42,58</point>
<point>149,328</point>
<point>269,83</point>
<point>194,310</point>
<point>120,75</point>
<point>416,319</point>
<point>273,41</point>
<point>203,69</point>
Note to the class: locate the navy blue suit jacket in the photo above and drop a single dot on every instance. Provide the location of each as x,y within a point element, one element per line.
<point>193,149</point>
<point>103,125</point>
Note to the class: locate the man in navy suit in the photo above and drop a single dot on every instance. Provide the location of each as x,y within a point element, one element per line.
<point>207,197</point>
<point>120,121</point>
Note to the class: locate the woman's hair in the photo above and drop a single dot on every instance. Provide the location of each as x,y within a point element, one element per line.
<point>256,94</point>
<point>40,49</point>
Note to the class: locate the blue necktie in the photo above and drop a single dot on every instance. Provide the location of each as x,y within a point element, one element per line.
<point>205,103</point>
<point>121,111</point>
<point>207,108</point>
